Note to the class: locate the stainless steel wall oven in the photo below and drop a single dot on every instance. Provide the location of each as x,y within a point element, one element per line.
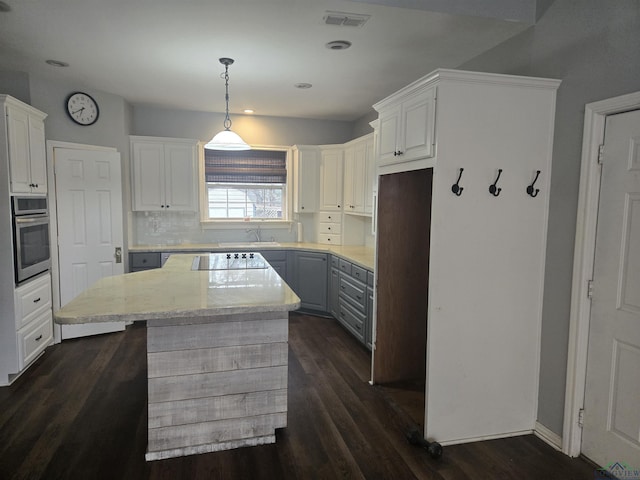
<point>31,244</point>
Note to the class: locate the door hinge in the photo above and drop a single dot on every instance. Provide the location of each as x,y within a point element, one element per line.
<point>589,288</point>
<point>581,417</point>
<point>600,154</point>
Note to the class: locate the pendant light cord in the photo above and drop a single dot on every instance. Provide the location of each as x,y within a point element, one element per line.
<point>227,120</point>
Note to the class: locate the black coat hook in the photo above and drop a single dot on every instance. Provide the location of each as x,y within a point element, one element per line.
<point>530,190</point>
<point>493,189</point>
<point>456,188</point>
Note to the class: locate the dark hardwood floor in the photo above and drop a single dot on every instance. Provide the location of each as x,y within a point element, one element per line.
<point>80,413</point>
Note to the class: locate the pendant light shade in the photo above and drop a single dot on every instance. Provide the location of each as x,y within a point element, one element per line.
<point>226,139</point>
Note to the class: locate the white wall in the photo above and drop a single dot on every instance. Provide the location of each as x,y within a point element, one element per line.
<point>255,130</point>
<point>593,47</point>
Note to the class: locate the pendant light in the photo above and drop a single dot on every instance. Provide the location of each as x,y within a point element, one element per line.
<point>226,139</point>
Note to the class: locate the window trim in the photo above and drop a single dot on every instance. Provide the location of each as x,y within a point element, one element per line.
<point>206,222</point>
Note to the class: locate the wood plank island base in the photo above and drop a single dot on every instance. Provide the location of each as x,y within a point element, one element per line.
<point>217,351</point>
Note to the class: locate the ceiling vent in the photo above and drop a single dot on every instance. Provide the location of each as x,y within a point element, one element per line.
<point>345,19</point>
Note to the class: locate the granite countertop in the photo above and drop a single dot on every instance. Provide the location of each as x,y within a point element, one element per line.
<point>177,291</point>
<point>358,254</point>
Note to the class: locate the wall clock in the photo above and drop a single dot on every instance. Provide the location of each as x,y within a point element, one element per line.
<point>82,108</point>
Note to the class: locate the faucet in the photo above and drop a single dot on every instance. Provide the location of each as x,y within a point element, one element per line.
<point>256,232</point>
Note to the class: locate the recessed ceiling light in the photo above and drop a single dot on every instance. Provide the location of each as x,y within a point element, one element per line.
<point>338,45</point>
<point>57,63</point>
<point>4,7</point>
<point>303,85</point>
<point>247,110</point>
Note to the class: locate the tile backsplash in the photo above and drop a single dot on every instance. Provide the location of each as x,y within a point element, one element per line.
<point>175,228</point>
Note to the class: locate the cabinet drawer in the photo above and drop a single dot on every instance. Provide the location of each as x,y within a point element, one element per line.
<point>345,267</point>
<point>335,228</point>
<point>335,261</point>
<point>329,239</point>
<point>31,300</point>
<point>330,217</point>
<point>352,319</point>
<point>145,260</point>
<point>34,338</point>
<point>274,255</point>
<point>354,291</point>
<point>359,273</point>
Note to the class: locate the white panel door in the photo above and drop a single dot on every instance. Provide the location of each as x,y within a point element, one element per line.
<point>89,206</point>
<point>612,393</point>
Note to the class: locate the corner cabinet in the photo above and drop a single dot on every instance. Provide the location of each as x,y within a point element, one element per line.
<point>306,170</point>
<point>26,144</point>
<point>465,290</point>
<point>164,174</point>
<point>407,128</point>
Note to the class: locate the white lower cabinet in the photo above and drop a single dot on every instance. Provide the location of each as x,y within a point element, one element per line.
<point>34,338</point>
<point>32,329</point>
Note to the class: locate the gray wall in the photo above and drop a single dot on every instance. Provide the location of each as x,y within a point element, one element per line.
<point>593,46</point>
<point>255,130</point>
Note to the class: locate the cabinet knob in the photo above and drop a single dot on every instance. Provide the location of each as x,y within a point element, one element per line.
<point>302,208</point>
<point>328,228</point>
<point>168,206</point>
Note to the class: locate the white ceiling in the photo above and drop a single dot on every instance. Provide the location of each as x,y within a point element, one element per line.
<point>165,53</point>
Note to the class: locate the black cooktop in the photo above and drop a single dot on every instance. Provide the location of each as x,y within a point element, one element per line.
<point>229,261</point>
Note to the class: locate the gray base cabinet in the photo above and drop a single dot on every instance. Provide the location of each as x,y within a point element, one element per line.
<point>310,280</point>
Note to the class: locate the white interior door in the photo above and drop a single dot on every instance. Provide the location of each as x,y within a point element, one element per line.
<point>612,394</point>
<point>89,209</point>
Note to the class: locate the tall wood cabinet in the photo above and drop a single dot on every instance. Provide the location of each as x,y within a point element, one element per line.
<point>164,176</point>
<point>460,271</point>
<point>26,321</point>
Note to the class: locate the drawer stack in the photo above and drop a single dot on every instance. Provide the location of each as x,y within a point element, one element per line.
<point>330,228</point>
<point>34,319</point>
<point>352,298</point>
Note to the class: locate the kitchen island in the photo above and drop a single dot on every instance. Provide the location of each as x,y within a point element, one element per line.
<point>216,349</point>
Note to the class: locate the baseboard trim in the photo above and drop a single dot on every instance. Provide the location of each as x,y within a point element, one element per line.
<point>547,436</point>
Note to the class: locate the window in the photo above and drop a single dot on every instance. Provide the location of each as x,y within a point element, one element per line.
<point>246,185</point>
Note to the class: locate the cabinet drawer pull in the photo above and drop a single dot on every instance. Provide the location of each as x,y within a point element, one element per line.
<point>358,297</point>
<point>39,338</point>
<point>342,287</point>
<point>36,300</point>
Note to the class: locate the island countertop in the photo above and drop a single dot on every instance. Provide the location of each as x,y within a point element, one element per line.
<point>175,291</point>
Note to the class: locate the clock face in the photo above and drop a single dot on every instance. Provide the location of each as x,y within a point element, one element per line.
<point>82,108</point>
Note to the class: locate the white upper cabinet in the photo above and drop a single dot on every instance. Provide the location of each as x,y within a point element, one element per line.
<point>27,151</point>
<point>164,174</point>
<point>306,178</point>
<point>358,184</point>
<point>331,179</point>
<point>407,129</point>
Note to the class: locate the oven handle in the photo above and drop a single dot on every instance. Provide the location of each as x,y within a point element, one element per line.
<point>32,219</point>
